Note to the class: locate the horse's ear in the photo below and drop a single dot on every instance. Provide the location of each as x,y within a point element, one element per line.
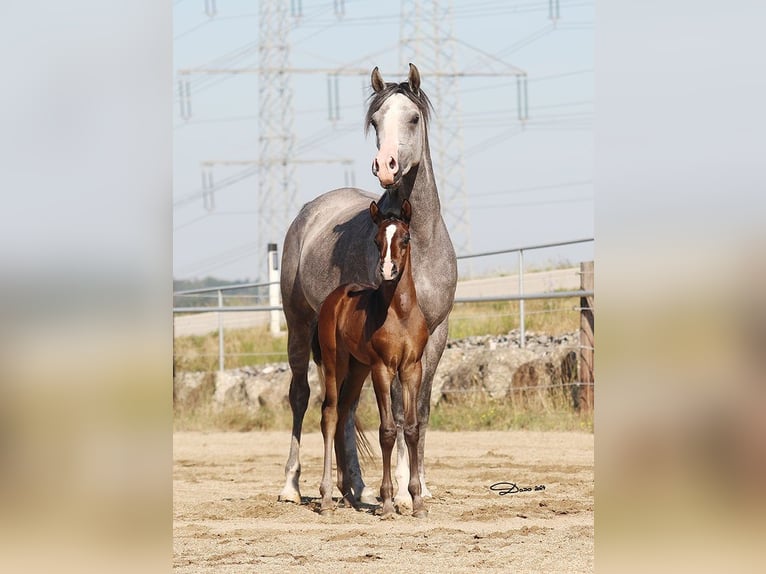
<point>414,79</point>
<point>406,211</point>
<point>376,80</point>
<point>375,213</point>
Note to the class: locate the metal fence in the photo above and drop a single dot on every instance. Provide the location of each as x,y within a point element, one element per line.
<point>275,309</point>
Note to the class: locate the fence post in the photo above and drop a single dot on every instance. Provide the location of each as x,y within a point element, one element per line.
<point>587,338</point>
<point>220,331</point>
<point>274,288</point>
<point>522,332</point>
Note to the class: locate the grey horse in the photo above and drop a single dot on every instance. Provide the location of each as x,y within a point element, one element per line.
<point>330,242</point>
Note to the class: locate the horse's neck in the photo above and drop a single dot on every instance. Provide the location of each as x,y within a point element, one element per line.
<point>400,294</point>
<point>420,188</point>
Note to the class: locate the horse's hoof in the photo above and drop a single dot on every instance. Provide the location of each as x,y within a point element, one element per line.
<point>290,496</point>
<point>387,516</point>
<point>422,513</point>
<point>325,512</point>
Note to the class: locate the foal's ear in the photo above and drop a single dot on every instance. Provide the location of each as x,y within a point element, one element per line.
<point>406,211</point>
<point>376,80</point>
<point>414,79</point>
<point>375,213</point>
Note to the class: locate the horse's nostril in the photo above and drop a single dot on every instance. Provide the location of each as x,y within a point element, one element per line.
<point>392,164</point>
<point>375,166</point>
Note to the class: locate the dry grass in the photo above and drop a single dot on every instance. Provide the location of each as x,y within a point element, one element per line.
<point>483,413</point>
<point>551,316</point>
<point>242,347</point>
<point>472,413</point>
<point>204,415</point>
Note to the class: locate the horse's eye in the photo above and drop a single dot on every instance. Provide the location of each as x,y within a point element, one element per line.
<point>415,119</point>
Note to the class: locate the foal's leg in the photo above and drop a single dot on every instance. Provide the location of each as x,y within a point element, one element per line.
<point>329,426</point>
<point>381,380</point>
<point>362,492</point>
<point>298,348</point>
<point>349,477</point>
<point>410,375</point>
<point>431,356</point>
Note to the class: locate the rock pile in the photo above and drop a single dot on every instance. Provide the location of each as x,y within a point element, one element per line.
<point>492,366</point>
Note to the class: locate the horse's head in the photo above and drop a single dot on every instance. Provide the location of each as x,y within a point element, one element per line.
<point>392,240</point>
<point>398,113</point>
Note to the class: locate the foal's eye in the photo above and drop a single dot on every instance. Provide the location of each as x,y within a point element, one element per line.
<point>406,239</point>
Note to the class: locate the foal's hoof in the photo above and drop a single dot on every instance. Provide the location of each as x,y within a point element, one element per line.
<point>422,513</point>
<point>368,496</point>
<point>326,512</point>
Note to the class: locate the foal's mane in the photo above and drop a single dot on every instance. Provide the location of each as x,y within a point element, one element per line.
<point>420,99</point>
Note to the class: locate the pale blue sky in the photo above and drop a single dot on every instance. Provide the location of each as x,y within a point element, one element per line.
<point>523,186</point>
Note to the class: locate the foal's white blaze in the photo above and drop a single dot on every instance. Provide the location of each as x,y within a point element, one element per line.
<point>388,265</point>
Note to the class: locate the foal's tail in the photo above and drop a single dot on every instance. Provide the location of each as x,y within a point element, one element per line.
<point>363,446</point>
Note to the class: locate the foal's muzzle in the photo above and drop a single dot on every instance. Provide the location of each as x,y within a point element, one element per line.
<point>389,273</point>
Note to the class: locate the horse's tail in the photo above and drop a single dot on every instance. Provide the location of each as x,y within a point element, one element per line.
<point>363,446</point>
<point>316,350</point>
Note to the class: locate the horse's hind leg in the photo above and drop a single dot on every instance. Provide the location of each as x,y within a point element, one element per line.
<point>298,346</point>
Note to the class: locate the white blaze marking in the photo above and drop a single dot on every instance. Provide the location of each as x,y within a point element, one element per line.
<point>389,143</point>
<point>387,264</point>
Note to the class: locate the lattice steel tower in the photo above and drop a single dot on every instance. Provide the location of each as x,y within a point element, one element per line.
<point>276,185</point>
<point>426,40</point>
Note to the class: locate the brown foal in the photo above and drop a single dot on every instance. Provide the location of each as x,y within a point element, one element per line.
<point>363,329</point>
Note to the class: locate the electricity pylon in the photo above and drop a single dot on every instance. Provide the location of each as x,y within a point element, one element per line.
<point>426,40</point>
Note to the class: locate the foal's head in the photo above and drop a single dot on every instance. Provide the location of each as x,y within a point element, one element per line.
<point>392,240</point>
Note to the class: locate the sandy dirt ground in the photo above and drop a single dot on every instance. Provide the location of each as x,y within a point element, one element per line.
<point>226,517</point>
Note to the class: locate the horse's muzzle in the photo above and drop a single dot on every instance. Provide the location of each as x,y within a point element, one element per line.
<point>388,172</point>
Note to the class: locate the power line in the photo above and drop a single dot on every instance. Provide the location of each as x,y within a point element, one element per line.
<point>533,203</point>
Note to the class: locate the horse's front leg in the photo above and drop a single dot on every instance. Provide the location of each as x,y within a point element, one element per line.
<point>410,376</point>
<point>381,380</point>
<point>431,356</point>
<point>298,338</point>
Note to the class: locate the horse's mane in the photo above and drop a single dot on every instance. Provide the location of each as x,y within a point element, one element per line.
<point>377,98</point>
